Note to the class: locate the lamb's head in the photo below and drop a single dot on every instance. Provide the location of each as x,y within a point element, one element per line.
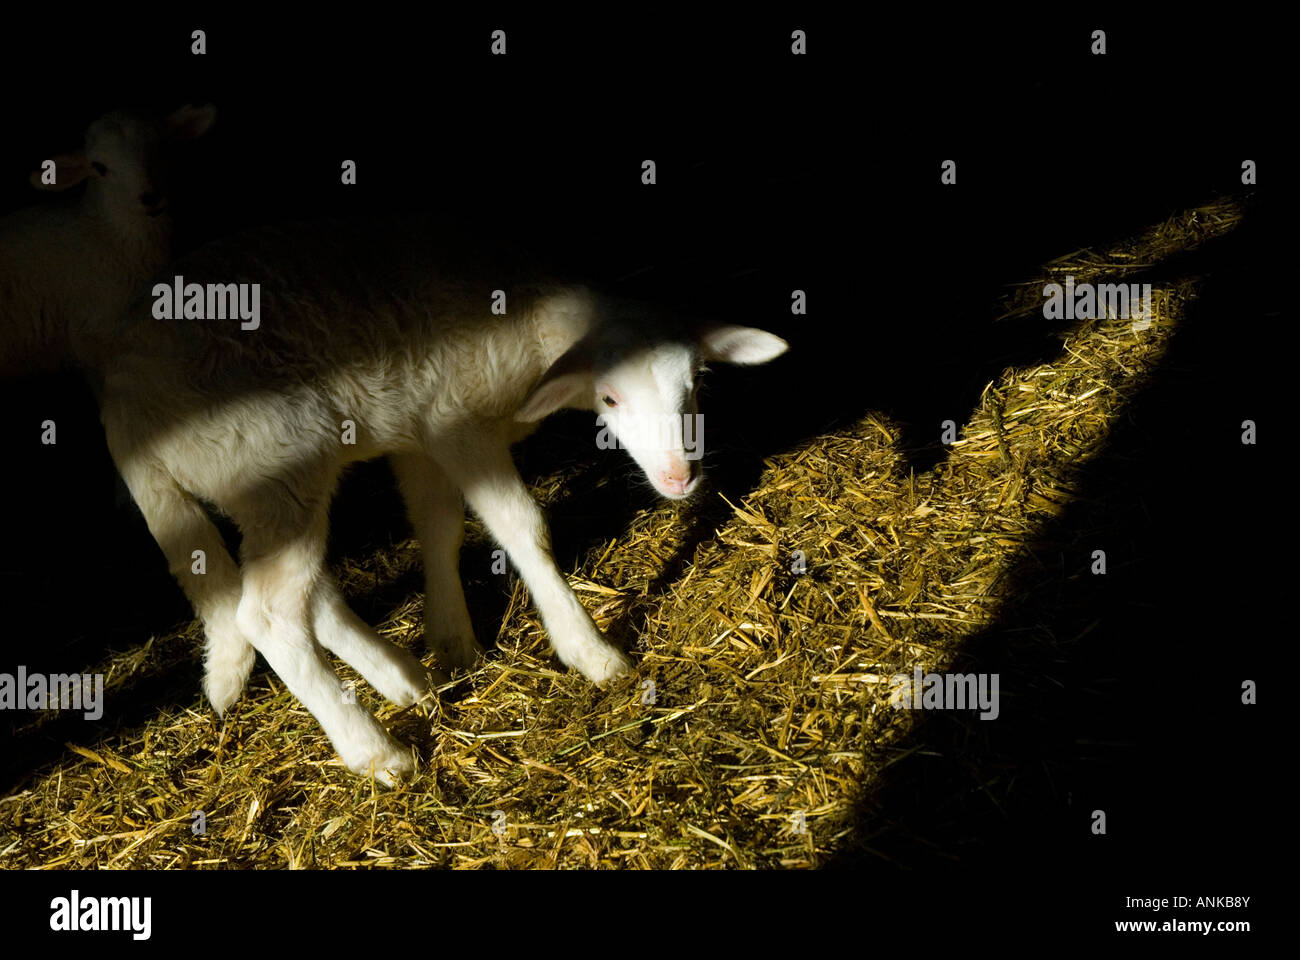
<point>644,388</point>
<point>125,160</point>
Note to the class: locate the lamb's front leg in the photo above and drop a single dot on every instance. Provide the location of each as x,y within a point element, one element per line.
<point>482,468</point>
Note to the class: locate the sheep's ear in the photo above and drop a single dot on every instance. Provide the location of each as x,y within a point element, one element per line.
<point>566,384</point>
<point>743,345</point>
<point>69,170</point>
<point>190,122</point>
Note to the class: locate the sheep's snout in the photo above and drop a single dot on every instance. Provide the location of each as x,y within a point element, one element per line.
<point>679,479</point>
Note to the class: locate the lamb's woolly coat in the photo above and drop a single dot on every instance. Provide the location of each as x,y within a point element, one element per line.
<point>401,340</point>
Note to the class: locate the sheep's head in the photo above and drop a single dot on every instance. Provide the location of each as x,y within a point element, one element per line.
<point>124,161</point>
<point>645,391</point>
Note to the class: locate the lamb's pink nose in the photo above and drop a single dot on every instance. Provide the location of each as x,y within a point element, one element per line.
<point>677,480</point>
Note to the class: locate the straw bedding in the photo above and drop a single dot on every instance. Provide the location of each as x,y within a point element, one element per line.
<point>758,716</point>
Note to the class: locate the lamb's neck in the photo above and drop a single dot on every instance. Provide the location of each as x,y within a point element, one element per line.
<point>139,239</point>
<point>562,319</point>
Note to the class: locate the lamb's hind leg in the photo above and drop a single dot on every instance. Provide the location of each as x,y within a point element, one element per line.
<point>434,505</point>
<point>284,548</point>
<point>388,668</point>
<point>210,580</point>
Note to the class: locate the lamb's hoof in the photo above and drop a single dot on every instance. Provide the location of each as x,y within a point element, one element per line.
<point>223,685</point>
<point>604,665</point>
<point>455,653</point>
<point>390,766</point>
<point>403,680</point>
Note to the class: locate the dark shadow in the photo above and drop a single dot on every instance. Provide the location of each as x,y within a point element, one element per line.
<point>1121,692</point>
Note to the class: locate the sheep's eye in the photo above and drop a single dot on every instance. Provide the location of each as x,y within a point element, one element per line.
<point>609,401</point>
<point>99,168</point>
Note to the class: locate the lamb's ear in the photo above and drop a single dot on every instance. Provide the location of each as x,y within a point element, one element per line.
<point>69,170</point>
<point>743,345</point>
<point>567,383</point>
<point>190,122</point>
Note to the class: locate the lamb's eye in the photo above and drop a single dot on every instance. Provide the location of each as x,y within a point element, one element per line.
<point>99,168</point>
<point>609,401</point>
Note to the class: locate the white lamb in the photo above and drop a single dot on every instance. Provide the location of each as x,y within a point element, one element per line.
<point>68,268</point>
<point>393,331</point>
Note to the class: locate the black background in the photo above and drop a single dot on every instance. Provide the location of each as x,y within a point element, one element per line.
<point>779,172</point>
